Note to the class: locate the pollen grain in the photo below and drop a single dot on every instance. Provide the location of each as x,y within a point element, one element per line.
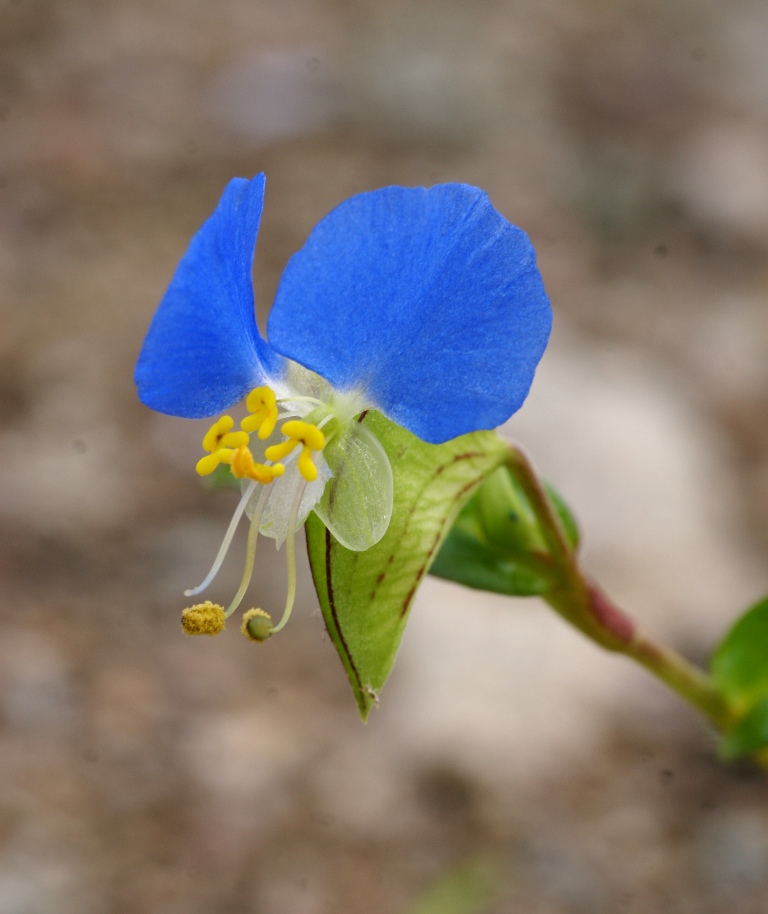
<point>203,619</point>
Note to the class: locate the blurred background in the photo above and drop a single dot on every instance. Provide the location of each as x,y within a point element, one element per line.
<point>142,772</point>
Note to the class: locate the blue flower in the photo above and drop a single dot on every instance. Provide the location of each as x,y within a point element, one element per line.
<point>425,304</point>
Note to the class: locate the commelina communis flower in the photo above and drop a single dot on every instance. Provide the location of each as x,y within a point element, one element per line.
<point>423,303</point>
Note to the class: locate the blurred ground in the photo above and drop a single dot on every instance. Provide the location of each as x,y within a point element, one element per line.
<point>142,772</point>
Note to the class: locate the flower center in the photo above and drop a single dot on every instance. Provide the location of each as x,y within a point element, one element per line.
<point>233,449</point>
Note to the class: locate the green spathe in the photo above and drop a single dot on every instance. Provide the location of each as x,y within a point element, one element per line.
<point>497,542</point>
<point>365,597</point>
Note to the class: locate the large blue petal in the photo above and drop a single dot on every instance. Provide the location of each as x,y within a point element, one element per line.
<point>203,351</point>
<point>428,299</point>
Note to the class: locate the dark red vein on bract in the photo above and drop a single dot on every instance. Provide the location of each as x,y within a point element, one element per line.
<point>334,613</point>
<point>468,455</point>
<point>423,569</point>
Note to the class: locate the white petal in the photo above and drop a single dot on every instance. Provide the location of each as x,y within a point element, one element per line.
<point>282,493</point>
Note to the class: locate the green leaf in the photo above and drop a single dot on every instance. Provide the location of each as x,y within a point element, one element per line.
<point>365,596</point>
<point>496,543</point>
<point>740,663</point>
<point>749,735</point>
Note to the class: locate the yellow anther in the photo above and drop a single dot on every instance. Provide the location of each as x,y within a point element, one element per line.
<point>220,435</point>
<point>203,619</point>
<point>220,442</point>
<point>305,433</point>
<point>256,625</point>
<point>299,433</point>
<point>243,465</point>
<point>306,465</point>
<point>206,465</point>
<point>261,403</point>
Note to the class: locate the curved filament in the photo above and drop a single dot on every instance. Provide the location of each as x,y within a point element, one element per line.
<point>290,553</point>
<point>250,552</point>
<point>225,544</point>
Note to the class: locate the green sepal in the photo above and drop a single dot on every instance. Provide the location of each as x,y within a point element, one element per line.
<point>365,596</point>
<point>749,735</point>
<point>496,543</point>
<point>740,663</point>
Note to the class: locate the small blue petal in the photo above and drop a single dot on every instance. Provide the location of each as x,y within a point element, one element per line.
<point>203,351</point>
<point>427,299</point>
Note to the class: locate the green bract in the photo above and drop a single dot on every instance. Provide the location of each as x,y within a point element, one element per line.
<point>366,596</point>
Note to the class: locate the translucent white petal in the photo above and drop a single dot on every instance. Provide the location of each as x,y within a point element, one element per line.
<point>356,505</point>
<point>301,391</point>
<point>275,519</point>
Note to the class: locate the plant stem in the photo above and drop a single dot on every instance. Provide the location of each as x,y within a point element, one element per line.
<point>583,604</point>
<point>683,677</point>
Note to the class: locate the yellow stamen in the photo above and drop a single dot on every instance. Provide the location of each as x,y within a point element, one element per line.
<point>250,557</point>
<point>306,465</point>
<point>250,552</point>
<point>243,465</point>
<point>261,403</point>
<point>299,433</point>
<point>206,465</point>
<point>203,619</point>
<point>256,625</point>
<point>220,442</point>
<point>219,435</point>
<point>226,542</point>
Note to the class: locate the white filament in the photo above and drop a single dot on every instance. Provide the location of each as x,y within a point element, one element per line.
<point>226,542</point>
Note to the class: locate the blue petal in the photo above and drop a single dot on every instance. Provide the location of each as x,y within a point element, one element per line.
<point>428,299</point>
<point>203,351</point>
